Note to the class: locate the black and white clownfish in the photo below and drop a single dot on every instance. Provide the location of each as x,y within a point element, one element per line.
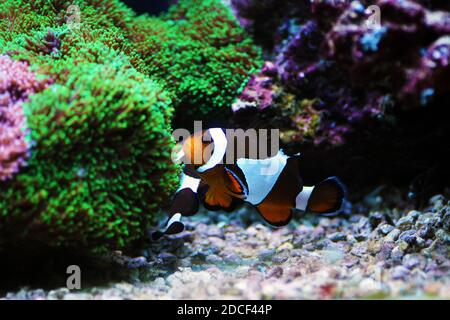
<point>224,179</point>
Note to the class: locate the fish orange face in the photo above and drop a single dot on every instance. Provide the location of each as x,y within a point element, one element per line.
<point>197,149</point>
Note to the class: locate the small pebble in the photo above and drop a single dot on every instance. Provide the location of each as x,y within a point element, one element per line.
<point>137,262</point>
<point>337,236</point>
<point>198,257</point>
<point>425,232</point>
<point>214,231</point>
<point>213,259</point>
<point>393,235</point>
<point>414,214</point>
<point>285,246</point>
<point>400,273</point>
<point>359,249</point>
<point>386,228</point>
<point>446,219</point>
<point>421,242</point>
<point>397,254</point>
<point>375,218</point>
<point>411,261</point>
<point>232,258</point>
<point>309,247</point>
<point>408,236</point>
<point>167,258</point>
<point>266,254</point>
<point>437,202</point>
<point>428,219</point>
<point>385,252</point>
<point>360,236</point>
<point>280,257</point>
<point>444,236</point>
<point>403,245</point>
<point>405,223</point>
<point>275,272</point>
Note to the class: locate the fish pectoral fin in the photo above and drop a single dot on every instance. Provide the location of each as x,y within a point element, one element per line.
<point>217,198</point>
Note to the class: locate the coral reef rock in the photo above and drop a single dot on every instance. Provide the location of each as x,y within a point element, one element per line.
<point>363,95</point>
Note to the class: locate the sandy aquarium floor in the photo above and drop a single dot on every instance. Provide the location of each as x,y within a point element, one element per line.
<point>374,255</point>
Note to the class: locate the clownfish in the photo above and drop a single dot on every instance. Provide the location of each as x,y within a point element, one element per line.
<point>223,179</point>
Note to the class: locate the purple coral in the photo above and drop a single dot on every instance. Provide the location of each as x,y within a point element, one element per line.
<point>379,83</point>
<point>259,91</point>
<point>270,20</point>
<point>377,55</point>
<point>17,83</point>
<point>298,59</point>
<point>359,71</point>
<point>430,80</point>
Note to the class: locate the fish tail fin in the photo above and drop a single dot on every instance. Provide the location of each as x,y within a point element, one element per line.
<point>174,226</point>
<point>327,196</point>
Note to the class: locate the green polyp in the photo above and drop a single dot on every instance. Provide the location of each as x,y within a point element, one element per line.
<point>99,170</point>
<point>104,119</point>
<point>200,53</point>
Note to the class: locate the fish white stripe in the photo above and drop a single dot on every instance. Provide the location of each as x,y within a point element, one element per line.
<point>188,182</point>
<point>260,184</point>
<point>175,218</point>
<point>301,202</point>
<point>220,147</point>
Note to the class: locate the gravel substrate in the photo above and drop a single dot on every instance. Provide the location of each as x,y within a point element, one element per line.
<point>383,254</point>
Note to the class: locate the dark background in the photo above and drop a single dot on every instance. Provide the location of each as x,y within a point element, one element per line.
<point>149,6</point>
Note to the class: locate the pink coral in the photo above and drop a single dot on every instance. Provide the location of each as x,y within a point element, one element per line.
<point>17,83</point>
<point>259,91</point>
<point>430,79</point>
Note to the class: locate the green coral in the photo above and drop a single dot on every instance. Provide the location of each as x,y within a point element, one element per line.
<point>99,169</point>
<point>22,17</point>
<point>100,166</point>
<point>197,50</point>
<point>19,17</point>
<point>201,53</point>
<point>55,50</point>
